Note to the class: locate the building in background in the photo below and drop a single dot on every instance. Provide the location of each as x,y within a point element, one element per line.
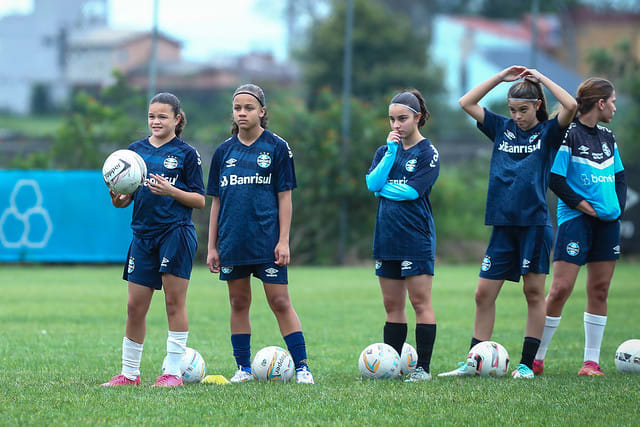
<point>33,50</point>
<point>472,49</point>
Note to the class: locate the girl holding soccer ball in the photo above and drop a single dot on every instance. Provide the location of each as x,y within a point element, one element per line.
<point>524,147</point>
<point>251,180</point>
<point>588,178</point>
<point>402,175</point>
<point>164,238</point>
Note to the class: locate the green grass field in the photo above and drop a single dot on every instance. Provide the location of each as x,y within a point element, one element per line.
<point>61,333</point>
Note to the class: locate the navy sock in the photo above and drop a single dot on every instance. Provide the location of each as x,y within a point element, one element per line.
<point>297,348</point>
<point>529,350</point>
<point>425,337</point>
<point>395,334</point>
<point>474,341</point>
<point>242,349</point>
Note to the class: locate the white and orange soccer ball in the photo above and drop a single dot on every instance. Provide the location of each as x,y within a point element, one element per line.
<point>124,171</point>
<point>408,359</point>
<point>192,366</point>
<point>488,359</point>
<point>627,358</point>
<point>273,364</point>
<point>379,361</point>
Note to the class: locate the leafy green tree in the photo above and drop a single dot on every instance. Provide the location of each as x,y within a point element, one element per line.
<point>387,53</point>
<point>96,125</point>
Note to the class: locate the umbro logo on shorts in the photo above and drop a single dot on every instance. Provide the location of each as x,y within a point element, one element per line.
<point>406,265</point>
<point>165,262</point>
<point>616,250</point>
<point>271,272</point>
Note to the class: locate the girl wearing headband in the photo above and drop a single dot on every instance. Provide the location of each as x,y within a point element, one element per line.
<point>588,178</point>
<point>251,179</point>
<point>401,175</point>
<point>524,147</point>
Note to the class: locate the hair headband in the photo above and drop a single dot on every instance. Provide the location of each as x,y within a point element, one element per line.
<point>524,99</point>
<point>242,92</point>
<point>408,100</point>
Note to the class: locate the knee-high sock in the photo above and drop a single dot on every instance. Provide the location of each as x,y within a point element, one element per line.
<point>131,356</point>
<point>593,332</point>
<point>550,325</point>
<point>176,344</point>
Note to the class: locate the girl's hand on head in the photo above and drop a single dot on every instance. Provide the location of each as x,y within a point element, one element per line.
<point>532,75</point>
<point>512,73</point>
<point>159,185</point>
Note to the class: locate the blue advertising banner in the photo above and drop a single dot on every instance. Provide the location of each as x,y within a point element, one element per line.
<point>60,216</point>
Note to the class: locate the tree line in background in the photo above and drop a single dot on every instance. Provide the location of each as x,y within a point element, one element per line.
<point>390,56</point>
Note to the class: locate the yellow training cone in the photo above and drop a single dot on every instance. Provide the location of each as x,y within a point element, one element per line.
<point>214,379</point>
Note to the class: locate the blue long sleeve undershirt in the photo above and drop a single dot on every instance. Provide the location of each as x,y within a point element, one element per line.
<point>397,192</point>
<point>378,176</point>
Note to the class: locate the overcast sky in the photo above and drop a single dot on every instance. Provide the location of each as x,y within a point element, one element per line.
<point>207,28</point>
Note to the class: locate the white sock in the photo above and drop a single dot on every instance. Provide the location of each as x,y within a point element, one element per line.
<point>131,356</point>
<point>593,332</point>
<point>176,344</point>
<point>550,326</point>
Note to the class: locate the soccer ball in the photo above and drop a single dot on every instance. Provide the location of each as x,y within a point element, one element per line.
<point>124,171</point>
<point>273,364</point>
<point>379,361</point>
<point>488,358</point>
<point>192,366</point>
<point>628,357</point>
<point>408,359</point>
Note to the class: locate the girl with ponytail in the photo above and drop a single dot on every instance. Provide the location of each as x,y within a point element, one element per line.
<point>524,147</point>
<point>588,178</point>
<point>402,175</point>
<point>164,238</point>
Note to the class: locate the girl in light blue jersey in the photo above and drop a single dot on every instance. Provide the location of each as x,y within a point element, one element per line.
<point>523,150</point>
<point>588,178</point>
<point>164,238</point>
<point>402,175</point>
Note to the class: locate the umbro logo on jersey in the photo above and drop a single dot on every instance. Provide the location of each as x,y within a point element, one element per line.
<point>509,135</point>
<point>271,272</point>
<point>526,263</point>
<point>406,265</point>
<point>231,163</point>
<point>616,250</point>
<point>165,262</point>
<point>583,150</point>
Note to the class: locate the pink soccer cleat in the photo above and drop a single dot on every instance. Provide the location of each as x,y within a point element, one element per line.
<point>167,380</point>
<point>538,367</point>
<point>590,369</point>
<point>121,380</point>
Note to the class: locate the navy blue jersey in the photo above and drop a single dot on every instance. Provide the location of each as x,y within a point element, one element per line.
<point>519,174</point>
<point>405,230</point>
<point>589,160</point>
<point>180,164</point>
<point>247,179</point>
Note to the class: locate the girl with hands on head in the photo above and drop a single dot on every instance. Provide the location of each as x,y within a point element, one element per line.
<point>524,147</point>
